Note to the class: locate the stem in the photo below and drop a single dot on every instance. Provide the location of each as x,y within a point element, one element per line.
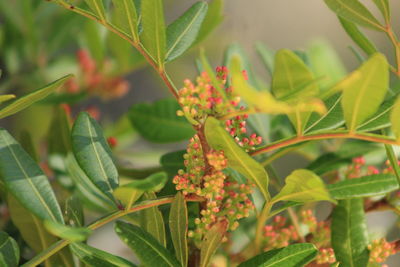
<point>393,160</point>
<point>158,67</point>
<point>54,248</point>
<point>321,136</point>
<point>262,219</point>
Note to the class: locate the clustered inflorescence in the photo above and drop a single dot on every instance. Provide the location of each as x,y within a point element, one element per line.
<point>205,174</point>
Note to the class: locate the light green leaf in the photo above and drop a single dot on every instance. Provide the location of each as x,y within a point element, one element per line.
<point>384,7</point>
<point>71,234</point>
<point>349,235</point>
<point>27,100</point>
<point>183,32</point>
<point>354,11</point>
<point>127,195</point>
<point>93,153</point>
<point>358,37</point>
<point>213,18</point>
<point>364,91</point>
<point>395,119</point>
<point>59,133</point>
<point>145,246</point>
<point>239,160</point>
<point>291,256</point>
<point>5,98</point>
<point>178,225</point>
<point>126,17</point>
<point>98,8</point>
<point>212,240</point>
<point>152,220</point>
<point>290,75</point>
<point>9,251</point>
<point>153,36</point>
<point>268,57</point>
<point>303,186</point>
<point>366,186</point>
<point>26,181</point>
<point>381,119</point>
<point>159,123</point>
<point>94,257</point>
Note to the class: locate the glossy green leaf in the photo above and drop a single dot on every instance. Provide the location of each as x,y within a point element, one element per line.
<point>59,133</point>
<point>290,74</point>
<point>26,181</point>
<point>384,7</point>
<point>183,32</point>
<point>9,251</point>
<point>291,256</point>
<point>153,36</point>
<point>303,186</point>
<point>354,11</point>
<point>97,7</point>
<point>349,237</point>
<point>395,119</point>
<point>212,19</point>
<point>178,226</point>
<point>71,234</point>
<point>149,251</point>
<point>364,91</point>
<point>366,186</point>
<point>86,190</point>
<point>73,211</point>
<point>211,242</point>
<point>332,119</point>
<point>159,123</point>
<point>93,153</point>
<point>325,64</point>
<point>267,56</point>
<point>239,160</point>
<point>358,37</point>
<point>27,100</point>
<point>152,220</point>
<point>94,257</point>
<point>172,162</point>
<point>381,119</point>
<point>127,195</point>
<point>126,17</point>
<point>34,234</point>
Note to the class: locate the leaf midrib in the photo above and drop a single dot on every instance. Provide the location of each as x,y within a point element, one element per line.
<point>359,15</point>
<point>289,256</point>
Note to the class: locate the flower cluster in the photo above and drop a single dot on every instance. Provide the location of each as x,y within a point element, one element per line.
<point>279,235</point>
<point>380,250</point>
<point>226,200</point>
<point>94,79</point>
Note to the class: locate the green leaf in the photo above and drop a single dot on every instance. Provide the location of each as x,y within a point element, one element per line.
<point>98,8</point>
<point>303,186</point>
<point>59,133</point>
<point>332,119</point>
<point>26,181</point>
<point>325,64</point>
<point>384,7</point>
<point>183,32</point>
<point>93,153</point>
<point>172,162</point>
<point>27,100</point>
<point>152,220</point>
<point>74,211</point>
<point>9,251</point>
<point>366,186</point>
<point>290,74</point>
<point>212,19</point>
<point>394,119</point>
<point>5,98</point>
<point>381,119</point>
<point>34,234</point>
<point>268,57</point>
<point>159,123</point>
<point>364,91</point>
<point>87,191</point>
<point>212,240</point>
<point>127,196</point>
<point>71,234</point>
<point>239,160</point>
<point>358,37</point>
<point>291,256</point>
<point>349,235</point>
<point>126,17</point>
<point>146,247</point>
<point>93,39</point>
<point>354,11</point>
<point>94,257</point>
<point>153,36</point>
<point>178,225</point>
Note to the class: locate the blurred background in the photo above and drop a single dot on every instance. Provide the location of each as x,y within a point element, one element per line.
<point>39,42</point>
